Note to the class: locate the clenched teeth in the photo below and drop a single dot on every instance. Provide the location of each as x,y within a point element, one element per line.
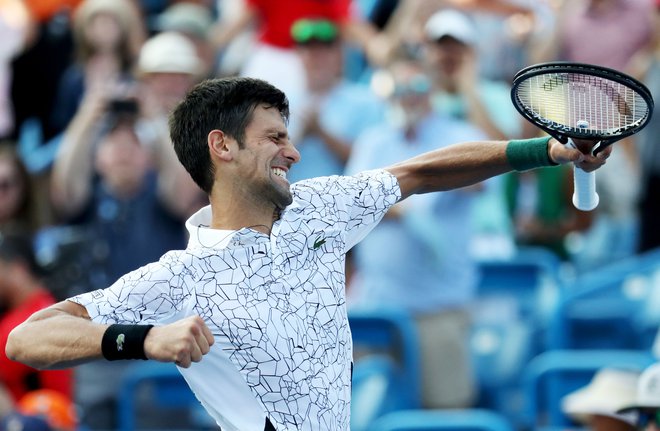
<point>279,172</point>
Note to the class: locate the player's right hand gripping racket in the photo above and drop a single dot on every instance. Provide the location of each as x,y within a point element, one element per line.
<point>582,101</point>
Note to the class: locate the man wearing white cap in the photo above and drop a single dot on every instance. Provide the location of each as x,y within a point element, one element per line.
<point>647,402</point>
<point>451,56</point>
<point>169,66</point>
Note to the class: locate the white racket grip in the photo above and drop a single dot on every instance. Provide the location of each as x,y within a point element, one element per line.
<point>585,197</point>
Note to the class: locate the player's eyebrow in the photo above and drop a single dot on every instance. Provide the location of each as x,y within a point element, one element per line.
<point>281,134</point>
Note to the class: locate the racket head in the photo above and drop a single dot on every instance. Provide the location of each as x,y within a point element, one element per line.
<point>582,101</point>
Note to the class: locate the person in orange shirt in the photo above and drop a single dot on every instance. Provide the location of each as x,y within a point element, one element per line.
<point>21,294</point>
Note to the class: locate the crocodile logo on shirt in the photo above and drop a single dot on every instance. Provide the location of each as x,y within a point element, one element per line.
<point>319,242</point>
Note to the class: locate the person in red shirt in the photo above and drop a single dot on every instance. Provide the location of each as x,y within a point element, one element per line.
<point>21,294</point>
<point>274,57</point>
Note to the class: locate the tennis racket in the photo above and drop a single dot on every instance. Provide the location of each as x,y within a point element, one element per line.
<point>582,101</point>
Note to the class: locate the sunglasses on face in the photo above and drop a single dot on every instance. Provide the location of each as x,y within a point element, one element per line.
<point>320,31</point>
<point>417,85</point>
<point>645,418</point>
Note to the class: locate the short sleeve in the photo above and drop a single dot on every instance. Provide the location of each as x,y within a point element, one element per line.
<point>354,204</point>
<point>158,293</point>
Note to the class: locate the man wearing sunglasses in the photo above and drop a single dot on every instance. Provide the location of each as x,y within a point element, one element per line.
<point>334,110</point>
<point>647,403</point>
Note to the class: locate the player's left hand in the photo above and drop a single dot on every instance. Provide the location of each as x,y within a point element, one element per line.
<point>582,157</point>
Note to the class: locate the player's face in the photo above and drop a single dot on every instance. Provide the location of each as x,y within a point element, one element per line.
<point>267,156</point>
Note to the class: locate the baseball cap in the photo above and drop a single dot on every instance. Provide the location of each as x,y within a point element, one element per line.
<point>186,17</point>
<point>169,52</point>
<point>609,390</point>
<point>451,23</point>
<point>314,30</point>
<point>648,390</point>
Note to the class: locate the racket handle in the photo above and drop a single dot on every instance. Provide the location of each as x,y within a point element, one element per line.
<point>585,197</point>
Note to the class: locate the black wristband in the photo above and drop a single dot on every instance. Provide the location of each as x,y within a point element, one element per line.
<point>124,342</point>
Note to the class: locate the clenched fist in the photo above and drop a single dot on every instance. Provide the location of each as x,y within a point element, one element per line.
<point>182,342</point>
<point>560,153</point>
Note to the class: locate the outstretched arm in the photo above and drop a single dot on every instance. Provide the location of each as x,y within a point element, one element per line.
<point>63,335</point>
<point>468,163</point>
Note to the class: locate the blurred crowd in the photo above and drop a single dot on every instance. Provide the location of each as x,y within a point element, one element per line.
<point>90,187</point>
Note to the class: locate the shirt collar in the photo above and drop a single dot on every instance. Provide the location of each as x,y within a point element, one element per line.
<point>203,236</point>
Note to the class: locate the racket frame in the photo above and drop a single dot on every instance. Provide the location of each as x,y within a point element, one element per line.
<point>585,197</point>
<point>561,131</point>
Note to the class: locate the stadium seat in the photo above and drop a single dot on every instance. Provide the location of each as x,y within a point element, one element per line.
<point>553,374</point>
<point>375,390</point>
<point>386,373</point>
<point>530,279</point>
<point>612,307</point>
<point>155,395</point>
<point>442,420</point>
<point>499,351</point>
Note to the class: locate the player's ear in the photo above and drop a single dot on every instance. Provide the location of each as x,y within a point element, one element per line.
<point>219,147</point>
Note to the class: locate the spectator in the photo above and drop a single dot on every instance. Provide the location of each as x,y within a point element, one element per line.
<point>108,35</point>
<point>596,404</point>
<point>194,21</point>
<point>334,110</point>
<point>21,294</point>
<point>168,68</point>
<point>458,90</point>
<point>421,274</point>
<point>275,45</point>
<point>450,54</point>
<point>112,183</point>
<point>647,400</point>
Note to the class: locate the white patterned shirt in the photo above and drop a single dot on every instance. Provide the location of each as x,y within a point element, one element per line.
<point>275,304</point>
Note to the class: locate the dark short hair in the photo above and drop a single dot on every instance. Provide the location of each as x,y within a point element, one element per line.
<point>226,104</point>
<point>18,247</point>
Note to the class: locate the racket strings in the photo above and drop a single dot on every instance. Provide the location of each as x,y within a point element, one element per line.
<point>582,103</point>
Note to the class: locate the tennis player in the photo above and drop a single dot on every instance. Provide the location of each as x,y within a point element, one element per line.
<point>253,311</point>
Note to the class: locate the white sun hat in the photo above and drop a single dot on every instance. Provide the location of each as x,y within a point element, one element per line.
<point>609,390</point>
<point>169,52</point>
<point>648,391</point>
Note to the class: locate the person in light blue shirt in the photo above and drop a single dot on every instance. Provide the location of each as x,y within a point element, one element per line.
<point>334,111</point>
<point>418,257</point>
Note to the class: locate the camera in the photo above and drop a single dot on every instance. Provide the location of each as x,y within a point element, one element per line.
<point>128,107</point>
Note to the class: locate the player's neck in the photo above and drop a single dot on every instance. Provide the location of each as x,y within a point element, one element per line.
<point>237,215</point>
